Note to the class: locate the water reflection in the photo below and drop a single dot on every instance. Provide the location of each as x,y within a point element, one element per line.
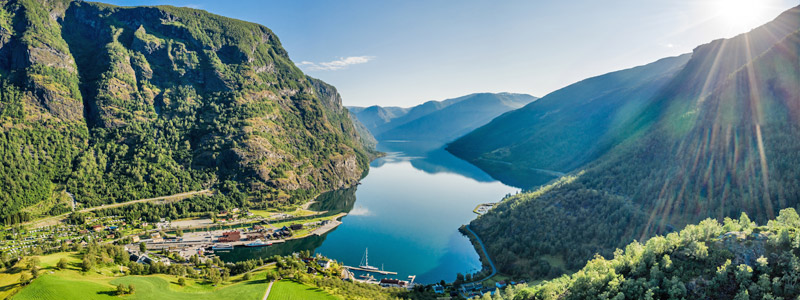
<point>408,212</point>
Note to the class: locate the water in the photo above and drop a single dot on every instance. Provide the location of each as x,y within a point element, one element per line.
<point>408,211</point>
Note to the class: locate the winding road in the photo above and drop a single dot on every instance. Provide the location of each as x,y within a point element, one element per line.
<point>486,253</point>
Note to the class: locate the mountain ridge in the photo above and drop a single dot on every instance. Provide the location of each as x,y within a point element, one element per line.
<point>441,121</point>
<point>707,149</point>
<point>119,103</point>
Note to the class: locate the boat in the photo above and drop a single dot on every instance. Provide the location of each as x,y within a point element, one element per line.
<point>218,247</point>
<point>258,243</point>
<point>365,261</point>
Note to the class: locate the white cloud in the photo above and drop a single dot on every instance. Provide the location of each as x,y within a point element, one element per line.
<point>338,64</point>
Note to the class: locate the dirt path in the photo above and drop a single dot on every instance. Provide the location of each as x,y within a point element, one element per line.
<point>166,199</point>
<point>269,287</point>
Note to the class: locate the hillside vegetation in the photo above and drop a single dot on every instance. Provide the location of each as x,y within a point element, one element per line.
<point>566,128</point>
<point>734,259</point>
<point>111,104</point>
<point>721,138</point>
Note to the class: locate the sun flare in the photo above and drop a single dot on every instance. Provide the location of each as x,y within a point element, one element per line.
<point>740,12</point>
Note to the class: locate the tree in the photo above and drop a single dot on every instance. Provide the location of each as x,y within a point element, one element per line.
<point>181,281</point>
<point>24,278</point>
<point>246,276</point>
<point>33,262</point>
<point>62,264</point>
<point>87,264</point>
<point>214,276</point>
<point>131,289</point>
<point>271,276</point>
<point>121,289</point>
<point>142,247</point>
<point>35,272</point>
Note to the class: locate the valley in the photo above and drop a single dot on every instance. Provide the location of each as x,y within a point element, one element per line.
<point>162,152</point>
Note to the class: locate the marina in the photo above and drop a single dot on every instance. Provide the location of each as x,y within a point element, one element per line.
<point>382,272</point>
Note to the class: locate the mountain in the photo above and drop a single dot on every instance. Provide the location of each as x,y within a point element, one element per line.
<point>365,137</point>
<point>564,129</point>
<point>720,138</point>
<point>439,121</point>
<point>111,104</point>
<point>734,259</point>
<point>375,118</point>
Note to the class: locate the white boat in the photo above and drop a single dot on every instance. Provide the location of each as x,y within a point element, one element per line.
<point>365,262</point>
<point>218,247</point>
<point>258,243</point>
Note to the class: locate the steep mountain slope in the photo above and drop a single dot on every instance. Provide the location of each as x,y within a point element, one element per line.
<point>703,149</point>
<point>112,104</point>
<point>439,121</point>
<point>566,128</point>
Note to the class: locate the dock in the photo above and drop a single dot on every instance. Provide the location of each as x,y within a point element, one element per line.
<point>382,272</point>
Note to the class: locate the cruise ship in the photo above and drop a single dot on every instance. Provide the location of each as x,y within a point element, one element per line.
<point>257,243</point>
<point>218,247</point>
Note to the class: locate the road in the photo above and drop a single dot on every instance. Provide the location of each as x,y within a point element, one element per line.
<point>170,198</point>
<point>486,253</point>
<point>167,199</point>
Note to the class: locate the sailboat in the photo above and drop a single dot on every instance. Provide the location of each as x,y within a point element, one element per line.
<point>365,262</point>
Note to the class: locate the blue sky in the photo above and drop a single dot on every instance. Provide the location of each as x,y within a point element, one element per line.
<point>403,53</point>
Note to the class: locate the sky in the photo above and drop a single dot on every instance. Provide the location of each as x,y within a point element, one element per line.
<point>403,53</point>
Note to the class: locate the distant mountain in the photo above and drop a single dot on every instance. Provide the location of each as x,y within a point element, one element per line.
<point>566,128</point>
<point>720,138</point>
<point>439,121</point>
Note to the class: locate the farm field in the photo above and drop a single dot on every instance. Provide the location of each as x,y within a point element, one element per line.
<point>101,284</point>
<point>290,290</point>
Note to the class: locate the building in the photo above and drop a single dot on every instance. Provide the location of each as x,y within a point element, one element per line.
<point>324,263</point>
<point>255,236</point>
<point>500,284</point>
<point>230,236</point>
<point>389,282</point>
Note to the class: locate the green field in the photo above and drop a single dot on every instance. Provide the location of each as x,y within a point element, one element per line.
<point>290,290</point>
<point>101,284</point>
<point>150,287</point>
<point>51,286</point>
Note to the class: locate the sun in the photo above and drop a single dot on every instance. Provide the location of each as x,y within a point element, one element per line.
<point>741,12</point>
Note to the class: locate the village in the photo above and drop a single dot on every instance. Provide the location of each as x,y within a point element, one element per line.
<point>185,237</point>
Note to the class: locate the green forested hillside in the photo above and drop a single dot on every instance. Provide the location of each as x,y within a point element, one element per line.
<point>566,128</point>
<point>708,149</point>
<point>111,104</point>
<point>734,259</point>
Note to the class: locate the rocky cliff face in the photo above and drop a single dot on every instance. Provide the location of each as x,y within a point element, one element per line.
<point>154,100</point>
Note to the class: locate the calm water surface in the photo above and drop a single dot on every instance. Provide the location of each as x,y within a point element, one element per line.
<point>407,211</point>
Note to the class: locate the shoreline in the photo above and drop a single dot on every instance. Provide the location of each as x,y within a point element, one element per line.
<point>483,254</point>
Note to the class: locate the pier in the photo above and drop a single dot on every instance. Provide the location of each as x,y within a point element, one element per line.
<point>382,272</point>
